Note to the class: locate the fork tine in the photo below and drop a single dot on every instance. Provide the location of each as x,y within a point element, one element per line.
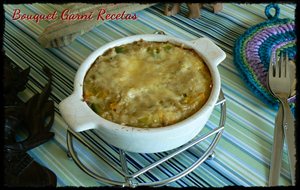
<point>282,65</point>
<point>278,66</point>
<point>271,68</point>
<point>287,65</point>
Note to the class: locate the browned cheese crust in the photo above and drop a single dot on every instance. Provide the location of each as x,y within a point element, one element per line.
<point>147,84</point>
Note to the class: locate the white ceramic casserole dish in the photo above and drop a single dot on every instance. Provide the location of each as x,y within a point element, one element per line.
<point>80,117</point>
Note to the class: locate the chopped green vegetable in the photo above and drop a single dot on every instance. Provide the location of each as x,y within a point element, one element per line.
<point>120,49</point>
<point>167,47</point>
<point>96,108</point>
<point>154,52</point>
<point>143,120</point>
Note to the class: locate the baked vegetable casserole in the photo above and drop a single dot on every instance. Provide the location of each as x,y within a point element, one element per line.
<point>147,84</point>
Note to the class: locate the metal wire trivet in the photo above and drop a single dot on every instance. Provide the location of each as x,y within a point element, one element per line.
<point>129,179</point>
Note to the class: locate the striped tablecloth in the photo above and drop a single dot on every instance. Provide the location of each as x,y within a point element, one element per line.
<point>242,156</point>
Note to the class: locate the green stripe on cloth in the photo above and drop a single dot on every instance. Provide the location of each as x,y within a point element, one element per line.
<point>244,151</point>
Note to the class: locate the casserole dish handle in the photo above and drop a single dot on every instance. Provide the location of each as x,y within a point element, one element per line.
<point>209,50</point>
<point>76,113</point>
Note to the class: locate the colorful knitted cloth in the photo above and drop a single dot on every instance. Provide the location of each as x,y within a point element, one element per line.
<point>260,43</point>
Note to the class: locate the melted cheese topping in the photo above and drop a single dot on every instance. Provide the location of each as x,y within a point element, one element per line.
<point>147,84</point>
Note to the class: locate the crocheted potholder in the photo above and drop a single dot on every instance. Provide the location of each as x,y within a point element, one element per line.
<point>254,49</point>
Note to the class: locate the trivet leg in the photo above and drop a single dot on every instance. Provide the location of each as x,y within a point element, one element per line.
<point>129,180</point>
<point>69,155</point>
<point>212,155</point>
